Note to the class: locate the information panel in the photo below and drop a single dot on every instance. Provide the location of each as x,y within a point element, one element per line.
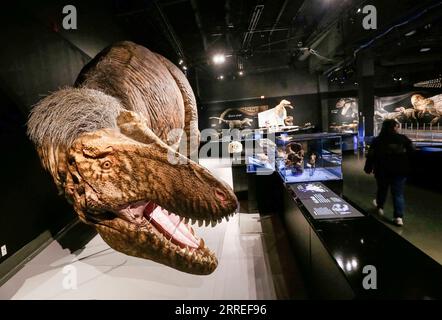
<point>322,203</point>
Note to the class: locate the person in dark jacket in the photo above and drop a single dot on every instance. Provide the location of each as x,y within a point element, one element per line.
<point>389,159</point>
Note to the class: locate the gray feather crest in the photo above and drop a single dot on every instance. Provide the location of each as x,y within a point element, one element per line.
<point>64,115</point>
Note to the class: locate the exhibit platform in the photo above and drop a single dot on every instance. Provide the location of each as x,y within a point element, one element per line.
<point>102,273</point>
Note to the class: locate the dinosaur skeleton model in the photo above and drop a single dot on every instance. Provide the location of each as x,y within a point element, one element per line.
<point>295,157</point>
<point>108,146</point>
<point>312,163</point>
<point>421,106</point>
<point>281,113</point>
<point>348,106</point>
<point>236,124</point>
<point>432,105</point>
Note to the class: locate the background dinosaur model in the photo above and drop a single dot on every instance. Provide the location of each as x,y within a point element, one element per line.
<point>236,124</point>
<point>432,105</point>
<point>108,147</point>
<point>281,113</point>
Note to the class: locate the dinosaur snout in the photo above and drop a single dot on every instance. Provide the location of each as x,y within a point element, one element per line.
<point>227,200</point>
<point>220,195</point>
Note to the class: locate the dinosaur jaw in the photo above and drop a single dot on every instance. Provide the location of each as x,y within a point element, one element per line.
<point>170,225</point>
<point>146,230</point>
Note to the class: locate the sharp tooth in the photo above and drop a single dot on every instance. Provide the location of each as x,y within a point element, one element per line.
<point>213,223</point>
<point>200,223</point>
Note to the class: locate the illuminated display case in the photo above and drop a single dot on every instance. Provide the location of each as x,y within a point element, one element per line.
<point>309,157</point>
<point>260,156</point>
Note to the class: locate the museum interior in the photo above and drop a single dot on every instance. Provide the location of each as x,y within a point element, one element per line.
<point>212,150</point>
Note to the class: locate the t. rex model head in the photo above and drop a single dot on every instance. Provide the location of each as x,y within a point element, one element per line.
<point>139,193</point>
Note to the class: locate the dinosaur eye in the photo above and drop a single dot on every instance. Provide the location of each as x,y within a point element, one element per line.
<point>106,165</point>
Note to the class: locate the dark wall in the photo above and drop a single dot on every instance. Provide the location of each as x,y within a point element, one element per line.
<point>306,109</point>
<point>29,204</point>
<point>277,83</point>
<point>38,57</point>
<point>297,86</point>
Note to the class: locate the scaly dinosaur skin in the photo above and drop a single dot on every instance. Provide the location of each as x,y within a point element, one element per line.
<point>120,168</point>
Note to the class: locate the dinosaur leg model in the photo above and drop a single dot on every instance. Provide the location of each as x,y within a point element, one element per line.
<point>110,145</point>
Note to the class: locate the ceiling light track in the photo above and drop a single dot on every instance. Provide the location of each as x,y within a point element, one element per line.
<point>252,25</point>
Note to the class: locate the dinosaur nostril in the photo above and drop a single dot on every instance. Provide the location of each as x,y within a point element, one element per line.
<point>220,195</point>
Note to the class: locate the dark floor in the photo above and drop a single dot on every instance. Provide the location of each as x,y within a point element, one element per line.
<point>423,215</point>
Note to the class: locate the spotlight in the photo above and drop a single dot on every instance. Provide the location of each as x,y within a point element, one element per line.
<point>354,263</point>
<point>241,73</point>
<point>262,97</point>
<point>359,10</point>
<point>184,67</point>
<point>219,58</point>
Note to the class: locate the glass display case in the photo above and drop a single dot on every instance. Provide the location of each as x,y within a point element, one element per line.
<point>260,155</point>
<point>309,157</point>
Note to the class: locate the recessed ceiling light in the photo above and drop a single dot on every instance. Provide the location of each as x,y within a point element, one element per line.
<point>219,58</point>
<point>425,49</point>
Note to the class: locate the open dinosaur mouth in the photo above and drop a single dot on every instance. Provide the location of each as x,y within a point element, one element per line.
<point>144,229</point>
<point>171,227</point>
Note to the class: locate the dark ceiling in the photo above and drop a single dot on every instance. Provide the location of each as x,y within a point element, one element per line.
<point>258,36</point>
